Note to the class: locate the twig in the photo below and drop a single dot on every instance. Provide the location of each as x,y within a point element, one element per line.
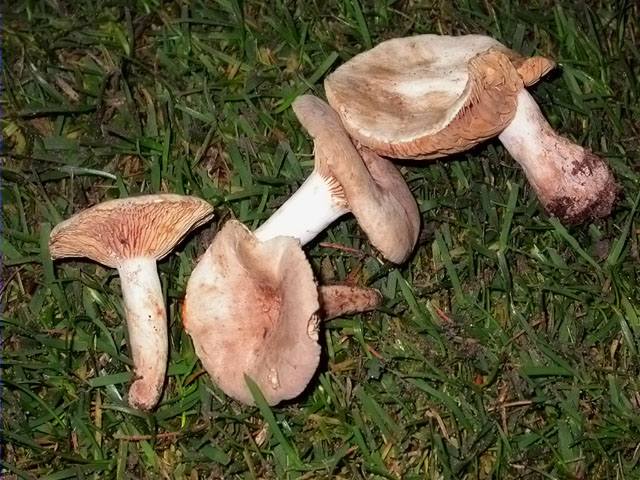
<point>343,248</point>
<point>159,436</point>
<point>517,403</point>
<point>373,352</point>
<point>443,316</point>
<point>194,376</point>
<point>5,283</point>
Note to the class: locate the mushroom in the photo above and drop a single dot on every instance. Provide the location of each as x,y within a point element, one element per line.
<point>346,178</point>
<point>339,300</point>
<point>252,308</point>
<point>427,96</point>
<point>252,305</point>
<point>131,234</point>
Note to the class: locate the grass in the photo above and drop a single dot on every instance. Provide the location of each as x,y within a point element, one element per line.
<point>507,347</point>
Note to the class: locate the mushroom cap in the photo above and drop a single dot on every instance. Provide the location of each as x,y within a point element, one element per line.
<point>251,308</point>
<point>144,226</point>
<point>371,186</point>
<point>428,96</point>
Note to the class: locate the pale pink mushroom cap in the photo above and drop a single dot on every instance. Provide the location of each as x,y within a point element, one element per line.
<point>251,309</point>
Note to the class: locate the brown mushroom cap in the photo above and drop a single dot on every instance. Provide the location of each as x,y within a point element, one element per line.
<point>428,96</point>
<point>251,308</point>
<point>531,69</point>
<point>373,188</point>
<point>144,226</point>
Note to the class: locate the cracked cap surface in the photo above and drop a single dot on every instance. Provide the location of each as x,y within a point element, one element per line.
<point>428,96</point>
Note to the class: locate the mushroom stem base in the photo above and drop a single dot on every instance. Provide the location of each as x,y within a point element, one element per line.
<point>339,300</point>
<point>147,326</point>
<point>572,183</point>
<point>311,209</point>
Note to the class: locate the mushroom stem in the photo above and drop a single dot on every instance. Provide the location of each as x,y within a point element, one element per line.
<point>147,325</point>
<point>571,182</point>
<point>311,209</point>
<point>339,300</point>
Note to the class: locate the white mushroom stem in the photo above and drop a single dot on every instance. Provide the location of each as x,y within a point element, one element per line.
<point>570,181</point>
<point>147,325</point>
<point>305,214</point>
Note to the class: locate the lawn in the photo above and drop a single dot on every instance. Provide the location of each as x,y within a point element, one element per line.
<point>508,346</point>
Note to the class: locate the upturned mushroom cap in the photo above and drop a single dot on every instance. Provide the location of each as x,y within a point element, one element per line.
<point>144,226</point>
<point>251,308</point>
<point>371,186</point>
<point>428,96</point>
